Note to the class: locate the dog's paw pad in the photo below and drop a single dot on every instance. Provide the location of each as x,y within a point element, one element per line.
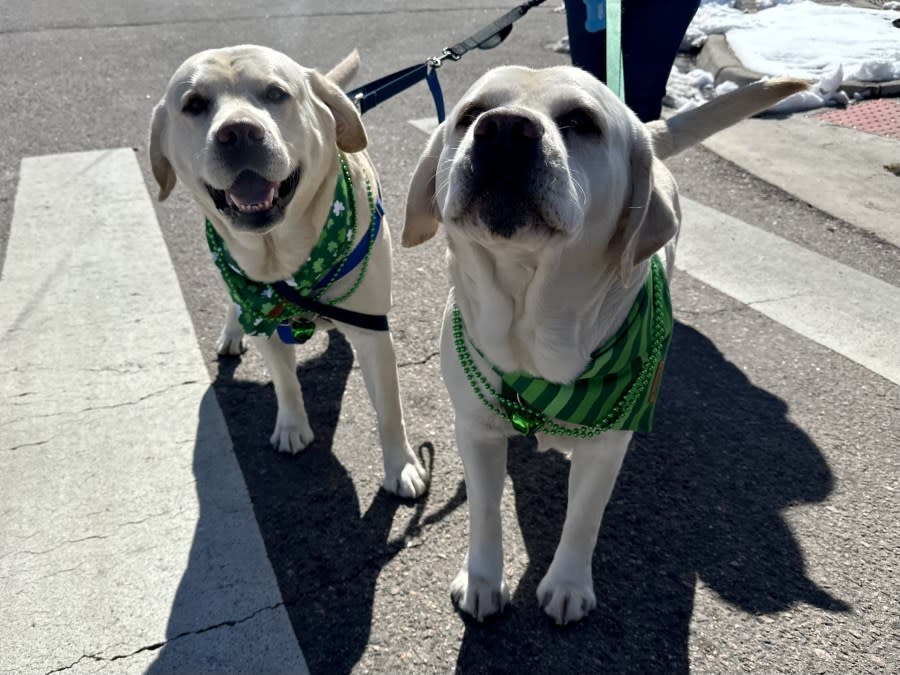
<point>408,480</point>
<point>477,597</point>
<point>566,602</point>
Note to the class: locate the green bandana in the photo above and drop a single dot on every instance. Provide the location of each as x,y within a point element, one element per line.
<point>261,308</point>
<point>617,390</point>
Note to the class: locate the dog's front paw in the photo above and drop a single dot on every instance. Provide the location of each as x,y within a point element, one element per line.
<point>292,433</point>
<point>407,477</point>
<point>566,600</point>
<point>230,342</point>
<point>477,596</point>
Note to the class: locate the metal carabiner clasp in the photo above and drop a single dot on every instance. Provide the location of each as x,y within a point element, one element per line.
<point>437,61</point>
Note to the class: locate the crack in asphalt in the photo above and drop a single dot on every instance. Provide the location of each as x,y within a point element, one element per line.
<point>90,537</point>
<point>749,305</point>
<point>159,645</point>
<point>752,303</point>
<point>28,445</point>
<point>420,362</point>
<point>234,384</point>
<point>709,312</point>
<point>111,406</point>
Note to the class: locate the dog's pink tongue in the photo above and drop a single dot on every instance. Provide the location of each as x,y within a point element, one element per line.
<point>251,192</point>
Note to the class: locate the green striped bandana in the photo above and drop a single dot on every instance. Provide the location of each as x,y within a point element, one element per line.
<point>619,387</point>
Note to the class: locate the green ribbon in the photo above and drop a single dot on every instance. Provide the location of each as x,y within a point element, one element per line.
<point>617,390</point>
<point>261,308</point>
<point>615,72</point>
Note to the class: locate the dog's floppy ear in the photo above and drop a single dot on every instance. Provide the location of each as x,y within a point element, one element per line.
<point>422,214</point>
<point>652,214</point>
<point>351,135</point>
<point>162,168</point>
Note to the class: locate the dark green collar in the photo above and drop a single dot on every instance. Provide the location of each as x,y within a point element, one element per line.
<point>617,390</point>
<point>261,308</point>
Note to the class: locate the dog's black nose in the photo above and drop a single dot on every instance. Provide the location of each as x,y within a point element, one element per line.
<point>506,157</point>
<point>506,147</point>
<point>240,132</point>
<point>506,127</point>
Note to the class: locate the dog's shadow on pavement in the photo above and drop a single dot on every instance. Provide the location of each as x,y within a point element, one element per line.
<point>700,500</point>
<point>325,553</point>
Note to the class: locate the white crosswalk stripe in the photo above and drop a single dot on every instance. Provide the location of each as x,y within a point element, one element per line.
<point>851,313</point>
<point>109,547</point>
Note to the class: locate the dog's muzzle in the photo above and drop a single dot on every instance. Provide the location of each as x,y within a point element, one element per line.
<point>252,202</point>
<point>506,155</point>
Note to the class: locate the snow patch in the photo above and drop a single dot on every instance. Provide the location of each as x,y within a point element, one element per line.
<point>804,39</point>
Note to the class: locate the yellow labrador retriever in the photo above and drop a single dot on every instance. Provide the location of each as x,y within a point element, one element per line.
<point>561,225</point>
<point>274,155</point>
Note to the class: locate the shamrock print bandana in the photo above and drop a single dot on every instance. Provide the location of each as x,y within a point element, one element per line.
<point>260,307</point>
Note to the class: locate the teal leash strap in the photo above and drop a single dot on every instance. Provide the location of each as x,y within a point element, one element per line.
<point>615,72</point>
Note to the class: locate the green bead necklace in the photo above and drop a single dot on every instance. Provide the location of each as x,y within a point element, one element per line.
<point>632,404</point>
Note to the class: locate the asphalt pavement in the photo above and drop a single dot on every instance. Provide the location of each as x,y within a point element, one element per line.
<point>148,527</point>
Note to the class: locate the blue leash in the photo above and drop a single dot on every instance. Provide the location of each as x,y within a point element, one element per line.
<point>365,98</point>
<point>376,322</point>
<point>370,95</point>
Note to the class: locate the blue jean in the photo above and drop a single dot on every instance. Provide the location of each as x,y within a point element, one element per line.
<point>651,33</point>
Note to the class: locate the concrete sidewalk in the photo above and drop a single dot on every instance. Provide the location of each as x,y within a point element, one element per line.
<point>838,170</point>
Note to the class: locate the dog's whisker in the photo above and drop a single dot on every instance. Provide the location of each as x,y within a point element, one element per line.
<point>582,195</point>
<point>444,185</point>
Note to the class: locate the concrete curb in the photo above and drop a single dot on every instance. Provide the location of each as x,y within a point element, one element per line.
<point>859,191</point>
<point>717,58</point>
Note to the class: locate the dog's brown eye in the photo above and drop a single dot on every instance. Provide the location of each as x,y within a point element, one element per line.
<point>195,104</point>
<point>468,116</point>
<point>275,94</point>
<point>577,120</point>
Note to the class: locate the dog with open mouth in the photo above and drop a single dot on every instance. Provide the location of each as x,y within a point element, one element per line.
<point>274,154</point>
<point>561,223</point>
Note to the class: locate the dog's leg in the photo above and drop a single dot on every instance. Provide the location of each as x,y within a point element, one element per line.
<point>292,430</point>
<point>403,473</point>
<point>479,589</point>
<point>231,339</point>
<point>567,590</point>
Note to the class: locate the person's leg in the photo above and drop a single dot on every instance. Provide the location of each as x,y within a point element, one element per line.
<point>651,34</point>
<point>588,50</point>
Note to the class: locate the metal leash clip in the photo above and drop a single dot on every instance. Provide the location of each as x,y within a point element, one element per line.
<point>437,61</point>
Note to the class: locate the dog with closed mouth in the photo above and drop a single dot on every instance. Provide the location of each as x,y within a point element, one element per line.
<point>274,154</point>
<point>561,223</point>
